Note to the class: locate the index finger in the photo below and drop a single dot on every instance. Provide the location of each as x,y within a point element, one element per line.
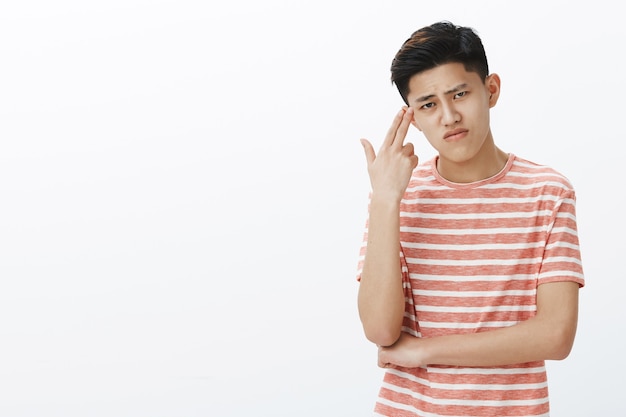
<point>403,128</point>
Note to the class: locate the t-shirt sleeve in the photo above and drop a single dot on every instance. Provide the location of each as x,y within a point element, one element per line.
<point>562,258</point>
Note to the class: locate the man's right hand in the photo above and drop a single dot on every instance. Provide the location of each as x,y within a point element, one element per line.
<point>390,170</point>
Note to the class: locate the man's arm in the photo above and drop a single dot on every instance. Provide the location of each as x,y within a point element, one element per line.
<point>381,296</point>
<point>549,335</point>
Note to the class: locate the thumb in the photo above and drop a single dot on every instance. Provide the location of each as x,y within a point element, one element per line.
<point>370,155</point>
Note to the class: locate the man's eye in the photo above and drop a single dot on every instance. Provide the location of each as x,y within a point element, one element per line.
<point>428,105</point>
<point>460,94</point>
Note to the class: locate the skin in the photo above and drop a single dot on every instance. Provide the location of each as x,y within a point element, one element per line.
<point>450,106</point>
<point>381,298</point>
<point>448,99</point>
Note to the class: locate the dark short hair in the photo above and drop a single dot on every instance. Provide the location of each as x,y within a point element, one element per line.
<point>434,45</point>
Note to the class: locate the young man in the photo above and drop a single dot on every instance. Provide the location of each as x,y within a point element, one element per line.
<point>470,267</point>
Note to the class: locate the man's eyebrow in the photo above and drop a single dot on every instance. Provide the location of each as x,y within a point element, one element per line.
<point>456,89</point>
<point>453,90</point>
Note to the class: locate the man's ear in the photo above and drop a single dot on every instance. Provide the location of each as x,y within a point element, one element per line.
<point>493,86</point>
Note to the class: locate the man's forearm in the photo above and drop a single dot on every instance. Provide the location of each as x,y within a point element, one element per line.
<point>529,341</point>
<point>381,297</point>
<point>549,335</point>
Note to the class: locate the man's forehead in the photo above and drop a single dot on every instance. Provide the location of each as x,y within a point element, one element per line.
<point>444,79</point>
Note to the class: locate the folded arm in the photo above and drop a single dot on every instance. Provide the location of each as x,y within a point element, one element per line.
<point>549,335</point>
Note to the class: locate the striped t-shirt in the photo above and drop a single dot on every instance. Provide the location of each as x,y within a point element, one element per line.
<point>472,256</point>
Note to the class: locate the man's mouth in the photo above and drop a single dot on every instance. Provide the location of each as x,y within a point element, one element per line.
<point>454,135</point>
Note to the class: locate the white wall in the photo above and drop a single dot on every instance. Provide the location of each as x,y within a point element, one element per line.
<point>182,195</point>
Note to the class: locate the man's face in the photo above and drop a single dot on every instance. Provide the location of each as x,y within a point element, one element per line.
<point>452,110</point>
